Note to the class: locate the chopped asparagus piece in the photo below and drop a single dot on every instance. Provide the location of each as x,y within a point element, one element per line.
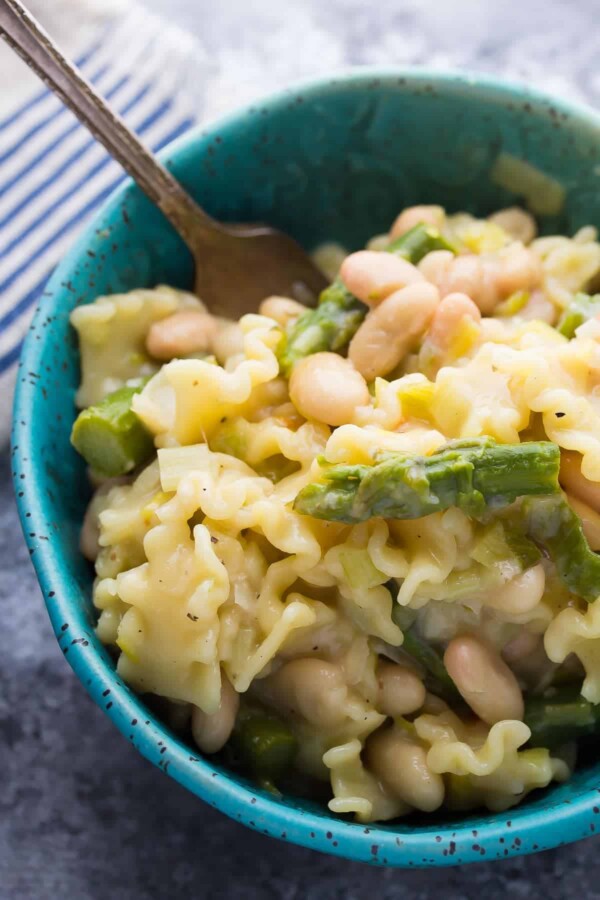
<point>513,304</point>
<point>110,437</point>
<point>413,245</point>
<point>474,475</point>
<point>437,680</point>
<point>265,744</point>
<point>335,321</point>
<point>557,528</point>
<point>582,307</point>
<point>330,326</point>
<point>560,715</point>
<point>501,546</point>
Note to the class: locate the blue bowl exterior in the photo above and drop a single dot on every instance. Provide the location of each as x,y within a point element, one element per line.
<point>336,158</point>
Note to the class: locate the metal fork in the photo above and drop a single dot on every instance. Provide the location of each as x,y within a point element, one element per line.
<point>236,266</point>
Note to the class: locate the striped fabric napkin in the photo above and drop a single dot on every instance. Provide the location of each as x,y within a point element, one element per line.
<point>53,174</point>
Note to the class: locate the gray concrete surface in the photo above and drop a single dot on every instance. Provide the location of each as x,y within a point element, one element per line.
<point>82,815</point>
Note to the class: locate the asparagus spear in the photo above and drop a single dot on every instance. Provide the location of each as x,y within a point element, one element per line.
<point>339,314</point>
<point>264,743</point>
<point>413,245</point>
<point>473,475</point>
<point>557,528</point>
<point>110,437</point>
<point>330,326</point>
<point>560,715</point>
<point>581,308</point>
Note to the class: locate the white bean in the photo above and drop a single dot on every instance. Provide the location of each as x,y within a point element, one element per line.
<point>401,691</point>
<point>483,679</point>
<point>518,223</point>
<point>434,705</point>
<point>391,330</point>
<point>402,767</point>
<point>415,215</point>
<point>516,268</point>
<point>527,658</point>
<point>282,309</point>
<point>575,483</point>
<point>211,732</point>
<point>470,275</point>
<point>523,646</point>
<point>180,334</point>
<point>371,275</point>
<point>449,316</point>
<point>311,688</point>
<point>435,265</point>
<point>327,388</point>
<point>520,594</point>
<point>485,279</point>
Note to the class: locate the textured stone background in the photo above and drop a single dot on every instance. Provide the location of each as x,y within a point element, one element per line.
<point>82,815</point>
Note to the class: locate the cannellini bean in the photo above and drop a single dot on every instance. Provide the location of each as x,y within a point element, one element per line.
<point>521,594</point>
<point>435,265</point>
<point>311,688</point>
<point>401,691</point>
<point>326,387</point>
<point>518,223</point>
<point>211,732</point>
<point>434,705</point>
<point>186,331</point>
<point>228,341</point>
<point>590,521</point>
<point>282,309</point>
<point>575,483</point>
<point>371,276</point>
<point>448,317</point>
<point>521,647</point>
<point>527,658</point>
<point>516,268</point>
<point>485,279</point>
<point>392,329</point>
<point>483,679</point>
<point>402,766</point>
<point>470,275</point>
<point>414,215</point>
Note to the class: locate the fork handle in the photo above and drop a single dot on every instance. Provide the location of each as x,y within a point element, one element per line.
<point>26,36</point>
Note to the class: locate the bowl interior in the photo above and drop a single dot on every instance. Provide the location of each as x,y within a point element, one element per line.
<point>336,160</point>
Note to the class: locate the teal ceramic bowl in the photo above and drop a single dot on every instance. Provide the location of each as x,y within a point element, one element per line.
<point>333,159</point>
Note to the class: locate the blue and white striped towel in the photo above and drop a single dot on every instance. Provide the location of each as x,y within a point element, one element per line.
<point>53,175</point>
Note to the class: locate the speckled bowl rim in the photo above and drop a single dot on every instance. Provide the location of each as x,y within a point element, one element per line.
<point>538,829</point>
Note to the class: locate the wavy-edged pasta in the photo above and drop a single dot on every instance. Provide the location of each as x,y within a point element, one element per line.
<point>578,632</point>
<point>112,333</point>
<point>488,767</point>
<point>187,398</point>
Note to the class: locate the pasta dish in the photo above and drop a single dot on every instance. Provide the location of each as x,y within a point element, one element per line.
<point>352,549</point>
